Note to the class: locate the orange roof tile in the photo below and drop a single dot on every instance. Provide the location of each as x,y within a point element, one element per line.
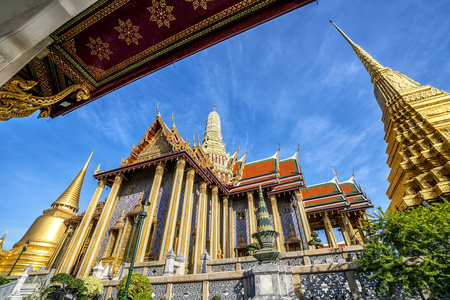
<point>348,188</point>
<point>319,190</point>
<point>259,168</point>
<point>288,167</point>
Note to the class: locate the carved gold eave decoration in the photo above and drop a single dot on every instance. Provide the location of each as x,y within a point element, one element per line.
<point>15,102</point>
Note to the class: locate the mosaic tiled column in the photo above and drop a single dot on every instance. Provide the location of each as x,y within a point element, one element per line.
<point>251,215</point>
<point>332,243</point>
<point>186,216</point>
<point>303,217</point>
<point>100,229</point>
<point>172,210</point>
<point>347,230</point>
<point>230,229</point>
<point>225,227</point>
<point>76,243</point>
<point>200,230</point>
<point>214,222</point>
<point>279,242</point>
<point>153,199</point>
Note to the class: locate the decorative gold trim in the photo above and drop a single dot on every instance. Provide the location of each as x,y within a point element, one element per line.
<point>16,103</point>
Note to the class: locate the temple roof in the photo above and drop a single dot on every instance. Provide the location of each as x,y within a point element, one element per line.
<point>333,195</point>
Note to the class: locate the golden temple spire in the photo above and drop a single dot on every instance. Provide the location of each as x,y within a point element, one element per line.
<point>71,195</point>
<point>388,83</point>
<point>157,109</point>
<point>173,123</point>
<point>371,64</point>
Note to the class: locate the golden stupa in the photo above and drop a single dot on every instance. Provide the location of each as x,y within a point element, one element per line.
<point>45,232</point>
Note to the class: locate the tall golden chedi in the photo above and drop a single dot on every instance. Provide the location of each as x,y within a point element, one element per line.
<point>46,231</point>
<point>417,126</point>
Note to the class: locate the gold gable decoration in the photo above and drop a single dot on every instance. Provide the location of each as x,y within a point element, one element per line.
<point>158,146</point>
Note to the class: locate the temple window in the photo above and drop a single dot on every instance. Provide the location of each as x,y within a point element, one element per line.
<point>130,189</point>
<point>240,215</point>
<point>287,208</point>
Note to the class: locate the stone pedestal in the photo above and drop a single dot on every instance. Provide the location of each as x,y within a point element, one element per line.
<point>270,282</point>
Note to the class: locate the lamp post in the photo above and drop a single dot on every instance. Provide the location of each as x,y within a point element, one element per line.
<point>136,219</point>
<point>295,206</point>
<point>142,216</point>
<point>69,234</point>
<point>23,250</point>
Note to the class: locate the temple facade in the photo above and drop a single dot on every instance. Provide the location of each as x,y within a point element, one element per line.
<point>200,198</point>
<point>417,124</point>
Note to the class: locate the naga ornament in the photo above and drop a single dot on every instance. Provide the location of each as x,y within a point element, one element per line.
<point>15,102</point>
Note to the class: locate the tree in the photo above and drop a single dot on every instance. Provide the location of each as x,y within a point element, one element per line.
<point>315,241</point>
<point>409,250</point>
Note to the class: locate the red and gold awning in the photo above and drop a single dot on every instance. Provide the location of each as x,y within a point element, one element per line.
<point>113,43</point>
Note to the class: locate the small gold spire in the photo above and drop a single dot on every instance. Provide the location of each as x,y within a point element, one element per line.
<point>173,123</point>
<point>198,139</point>
<point>193,138</point>
<point>71,195</point>
<point>353,175</point>
<point>298,149</point>
<point>157,109</point>
<point>2,239</point>
<point>214,107</point>
<point>119,223</point>
<point>279,147</point>
<point>246,151</point>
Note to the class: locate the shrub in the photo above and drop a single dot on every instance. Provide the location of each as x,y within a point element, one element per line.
<point>138,284</point>
<point>94,287</point>
<point>251,248</point>
<point>143,296</point>
<point>3,280</point>
<point>69,285</point>
<point>215,298</point>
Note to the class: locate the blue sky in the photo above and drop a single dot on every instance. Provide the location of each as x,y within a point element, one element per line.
<point>291,80</point>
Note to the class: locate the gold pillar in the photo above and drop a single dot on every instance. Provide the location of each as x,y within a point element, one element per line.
<point>225,227</point>
<point>100,229</point>
<point>303,217</point>
<point>230,229</point>
<point>172,210</point>
<point>80,234</point>
<point>200,231</point>
<point>332,243</point>
<point>251,216</point>
<point>214,223</point>
<point>347,230</point>
<point>186,216</point>
<point>153,199</point>
<point>279,242</point>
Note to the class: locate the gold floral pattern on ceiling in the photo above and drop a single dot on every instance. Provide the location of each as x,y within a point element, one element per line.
<point>197,3</point>
<point>99,48</point>
<point>128,32</point>
<point>161,13</point>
